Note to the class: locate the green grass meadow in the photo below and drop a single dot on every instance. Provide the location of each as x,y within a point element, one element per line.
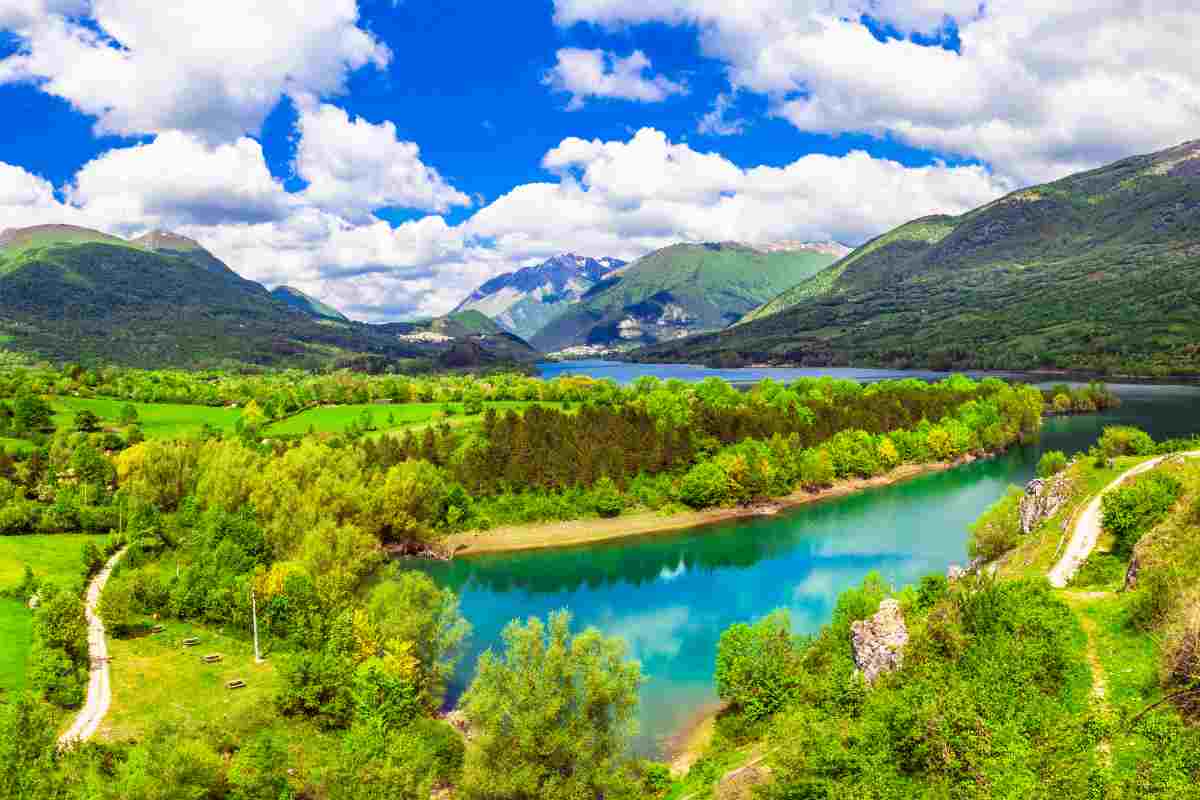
<point>16,635</point>
<point>55,556</point>
<point>335,419</point>
<point>13,446</point>
<point>156,679</point>
<point>158,420</point>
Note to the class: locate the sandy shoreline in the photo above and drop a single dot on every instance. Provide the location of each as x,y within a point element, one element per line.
<point>539,536</point>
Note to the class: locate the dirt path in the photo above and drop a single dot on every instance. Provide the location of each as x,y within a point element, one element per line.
<point>1099,677</point>
<point>99,695</point>
<point>1087,528</point>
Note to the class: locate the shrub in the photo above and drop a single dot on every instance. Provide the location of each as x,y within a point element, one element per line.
<point>18,516</point>
<point>656,778</point>
<point>998,529</point>
<point>606,498</point>
<point>317,685</point>
<point>853,453</point>
<point>1051,463</point>
<point>815,468</point>
<point>408,764</point>
<point>1100,569</point>
<point>117,606</point>
<point>931,590</point>
<point>59,679</point>
<point>1151,602</point>
<point>93,560</point>
<point>86,421</point>
<point>1125,440</point>
<point>757,668</point>
<point>1181,660</point>
<point>704,485</point>
<point>1131,510</point>
<point>129,414</point>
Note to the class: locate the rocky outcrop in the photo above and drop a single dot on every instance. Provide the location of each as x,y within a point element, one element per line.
<point>458,720</point>
<point>1131,573</point>
<point>739,784</point>
<point>1043,499</point>
<point>879,642</point>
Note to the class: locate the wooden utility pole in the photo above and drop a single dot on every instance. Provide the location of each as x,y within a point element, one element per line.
<point>254,619</point>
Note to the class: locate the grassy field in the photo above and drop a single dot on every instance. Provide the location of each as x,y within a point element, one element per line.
<point>15,445</point>
<point>335,419</point>
<point>158,420</point>
<point>55,556</point>
<point>156,680</point>
<point>16,632</point>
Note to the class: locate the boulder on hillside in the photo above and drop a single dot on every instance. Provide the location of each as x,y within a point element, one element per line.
<point>879,642</point>
<point>1043,499</point>
<point>739,784</point>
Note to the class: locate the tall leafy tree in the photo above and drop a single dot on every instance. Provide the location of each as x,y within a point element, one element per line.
<point>552,716</point>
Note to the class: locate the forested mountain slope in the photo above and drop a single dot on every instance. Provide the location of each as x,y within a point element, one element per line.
<point>526,300</point>
<point>306,303</point>
<point>1097,271</point>
<point>68,293</point>
<point>679,290</point>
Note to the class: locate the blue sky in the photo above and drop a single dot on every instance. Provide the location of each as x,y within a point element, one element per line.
<point>388,156</point>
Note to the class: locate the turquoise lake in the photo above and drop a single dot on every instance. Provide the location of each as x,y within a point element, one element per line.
<point>671,595</point>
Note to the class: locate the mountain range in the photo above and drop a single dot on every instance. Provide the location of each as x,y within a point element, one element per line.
<point>681,290</point>
<point>1098,272</point>
<point>75,294</point>
<point>526,300</point>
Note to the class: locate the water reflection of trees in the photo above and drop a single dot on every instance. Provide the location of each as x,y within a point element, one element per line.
<point>737,545</point>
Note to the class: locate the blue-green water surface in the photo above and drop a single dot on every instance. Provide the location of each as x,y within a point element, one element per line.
<point>671,595</point>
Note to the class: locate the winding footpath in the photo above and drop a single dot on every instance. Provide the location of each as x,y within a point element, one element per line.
<point>1087,528</point>
<point>99,695</point>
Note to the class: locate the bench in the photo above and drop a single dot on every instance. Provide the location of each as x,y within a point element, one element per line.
<point>211,658</point>
<point>158,629</point>
<point>236,684</point>
<point>191,642</point>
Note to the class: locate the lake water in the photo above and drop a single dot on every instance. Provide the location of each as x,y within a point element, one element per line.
<point>623,373</point>
<point>671,595</point>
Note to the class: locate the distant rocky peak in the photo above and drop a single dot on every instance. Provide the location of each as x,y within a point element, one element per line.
<point>165,240</point>
<point>832,248</point>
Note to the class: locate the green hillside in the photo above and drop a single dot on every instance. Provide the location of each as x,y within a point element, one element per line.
<point>67,294</point>
<point>307,304</point>
<point>474,322</point>
<point>16,240</point>
<point>676,291</point>
<point>1099,271</point>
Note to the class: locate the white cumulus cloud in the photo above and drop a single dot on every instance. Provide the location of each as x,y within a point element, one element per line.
<point>354,167</point>
<point>599,73</point>
<point>178,179</point>
<point>1040,89</point>
<point>214,69</point>
<point>619,198</point>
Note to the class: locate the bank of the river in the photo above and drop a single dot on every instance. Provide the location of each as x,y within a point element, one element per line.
<point>572,533</point>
